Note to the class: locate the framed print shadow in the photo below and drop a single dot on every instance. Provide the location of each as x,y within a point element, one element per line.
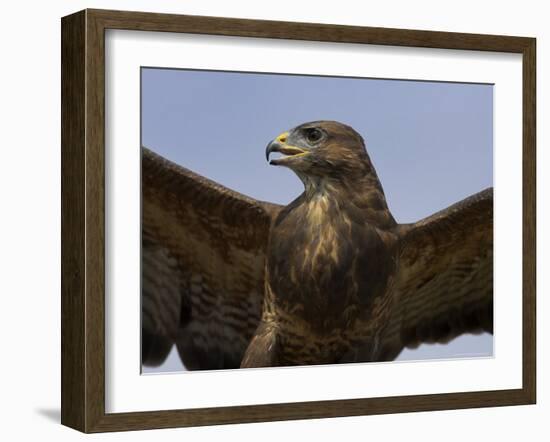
<point>270,220</point>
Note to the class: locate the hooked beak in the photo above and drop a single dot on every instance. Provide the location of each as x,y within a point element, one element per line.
<point>279,145</point>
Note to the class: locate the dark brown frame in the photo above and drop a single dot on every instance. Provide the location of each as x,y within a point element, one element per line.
<point>83,216</point>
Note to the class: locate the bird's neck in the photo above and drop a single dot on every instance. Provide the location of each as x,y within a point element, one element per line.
<point>361,194</point>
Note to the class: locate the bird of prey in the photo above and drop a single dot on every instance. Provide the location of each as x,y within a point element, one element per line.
<point>330,278</point>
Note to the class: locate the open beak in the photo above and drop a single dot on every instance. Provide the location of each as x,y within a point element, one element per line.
<point>279,145</point>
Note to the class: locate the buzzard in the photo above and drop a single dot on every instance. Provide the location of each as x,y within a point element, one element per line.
<point>330,278</point>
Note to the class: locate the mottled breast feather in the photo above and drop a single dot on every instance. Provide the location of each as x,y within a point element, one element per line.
<point>444,282</point>
<point>203,258</point>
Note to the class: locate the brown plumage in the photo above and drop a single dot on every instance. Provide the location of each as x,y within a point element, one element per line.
<point>329,278</point>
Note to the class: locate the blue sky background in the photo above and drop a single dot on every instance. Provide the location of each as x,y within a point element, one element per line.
<point>431,142</point>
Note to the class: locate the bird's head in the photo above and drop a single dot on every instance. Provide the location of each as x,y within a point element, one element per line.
<point>330,158</point>
<point>321,149</point>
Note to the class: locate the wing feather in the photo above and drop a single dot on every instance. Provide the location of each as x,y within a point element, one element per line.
<point>203,255</point>
<point>444,284</point>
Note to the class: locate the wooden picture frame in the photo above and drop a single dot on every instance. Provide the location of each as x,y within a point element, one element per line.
<point>83,220</point>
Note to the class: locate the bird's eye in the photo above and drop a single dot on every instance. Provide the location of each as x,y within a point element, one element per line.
<point>313,135</point>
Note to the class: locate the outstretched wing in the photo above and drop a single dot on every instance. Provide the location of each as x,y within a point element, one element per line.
<point>444,283</point>
<point>203,255</point>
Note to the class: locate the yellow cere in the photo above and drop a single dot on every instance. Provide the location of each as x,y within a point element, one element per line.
<point>282,138</point>
<point>293,151</point>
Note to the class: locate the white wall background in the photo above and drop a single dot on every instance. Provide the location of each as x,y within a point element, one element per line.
<point>30,216</point>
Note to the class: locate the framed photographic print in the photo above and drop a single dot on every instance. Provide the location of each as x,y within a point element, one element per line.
<point>271,220</point>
